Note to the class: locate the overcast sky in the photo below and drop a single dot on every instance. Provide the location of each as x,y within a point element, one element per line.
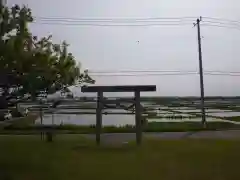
<point>159,47</point>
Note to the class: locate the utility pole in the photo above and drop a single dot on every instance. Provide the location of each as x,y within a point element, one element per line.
<point>1,6</point>
<point>3,2</point>
<point>201,71</point>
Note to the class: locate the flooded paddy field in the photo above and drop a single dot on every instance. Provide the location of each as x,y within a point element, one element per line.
<point>155,110</point>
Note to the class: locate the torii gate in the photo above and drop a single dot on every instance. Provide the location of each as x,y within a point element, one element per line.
<point>100,104</point>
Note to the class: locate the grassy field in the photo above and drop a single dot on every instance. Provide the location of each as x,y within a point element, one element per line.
<point>72,157</point>
<point>19,122</point>
<point>234,118</point>
<point>150,127</point>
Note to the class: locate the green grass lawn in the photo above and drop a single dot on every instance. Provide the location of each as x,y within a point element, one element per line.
<point>234,118</point>
<point>72,157</point>
<point>150,127</point>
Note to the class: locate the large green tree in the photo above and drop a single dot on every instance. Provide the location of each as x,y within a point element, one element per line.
<point>29,64</point>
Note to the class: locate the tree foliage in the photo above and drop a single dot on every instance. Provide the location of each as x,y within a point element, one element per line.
<point>29,64</point>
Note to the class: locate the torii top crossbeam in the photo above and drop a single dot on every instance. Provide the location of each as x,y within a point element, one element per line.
<point>127,88</point>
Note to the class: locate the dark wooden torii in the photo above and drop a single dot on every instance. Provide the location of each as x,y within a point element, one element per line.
<point>100,105</point>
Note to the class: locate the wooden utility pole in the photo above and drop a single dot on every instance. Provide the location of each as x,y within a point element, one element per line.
<point>201,71</point>
<point>3,2</point>
<point>1,6</point>
<point>41,120</point>
<point>138,117</point>
<point>99,117</point>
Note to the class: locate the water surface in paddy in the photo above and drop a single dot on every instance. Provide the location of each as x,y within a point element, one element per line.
<point>108,120</point>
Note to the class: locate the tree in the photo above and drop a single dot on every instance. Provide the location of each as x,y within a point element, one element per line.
<point>30,65</point>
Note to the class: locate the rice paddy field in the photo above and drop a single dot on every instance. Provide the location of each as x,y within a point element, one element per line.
<point>155,109</point>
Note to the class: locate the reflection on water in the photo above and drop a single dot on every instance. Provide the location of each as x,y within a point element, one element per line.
<point>199,110</point>
<point>88,119</point>
<point>60,116</point>
<point>225,114</point>
<point>108,120</point>
<point>185,120</point>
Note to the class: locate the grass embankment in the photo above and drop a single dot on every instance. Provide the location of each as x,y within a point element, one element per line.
<point>19,122</point>
<point>72,157</point>
<point>150,127</point>
<point>233,118</point>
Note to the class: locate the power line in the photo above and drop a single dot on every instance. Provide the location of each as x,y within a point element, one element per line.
<point>220,26</point>
<point>151,21</point>
<point>114,19</point>
<point>147,19</point>
<point>163,74</point>
<point>136,22</point>
<point>223,23</point>
<point>221,19</point>
<point>144,74</point>
<point>132,19</point>
<point>112,25</point>
<point>120,20</point>
<point>136,71</point>
<point>158,71</point>
<point>221,74</point>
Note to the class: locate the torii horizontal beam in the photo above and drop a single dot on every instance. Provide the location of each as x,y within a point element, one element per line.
<point>127,88</point>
